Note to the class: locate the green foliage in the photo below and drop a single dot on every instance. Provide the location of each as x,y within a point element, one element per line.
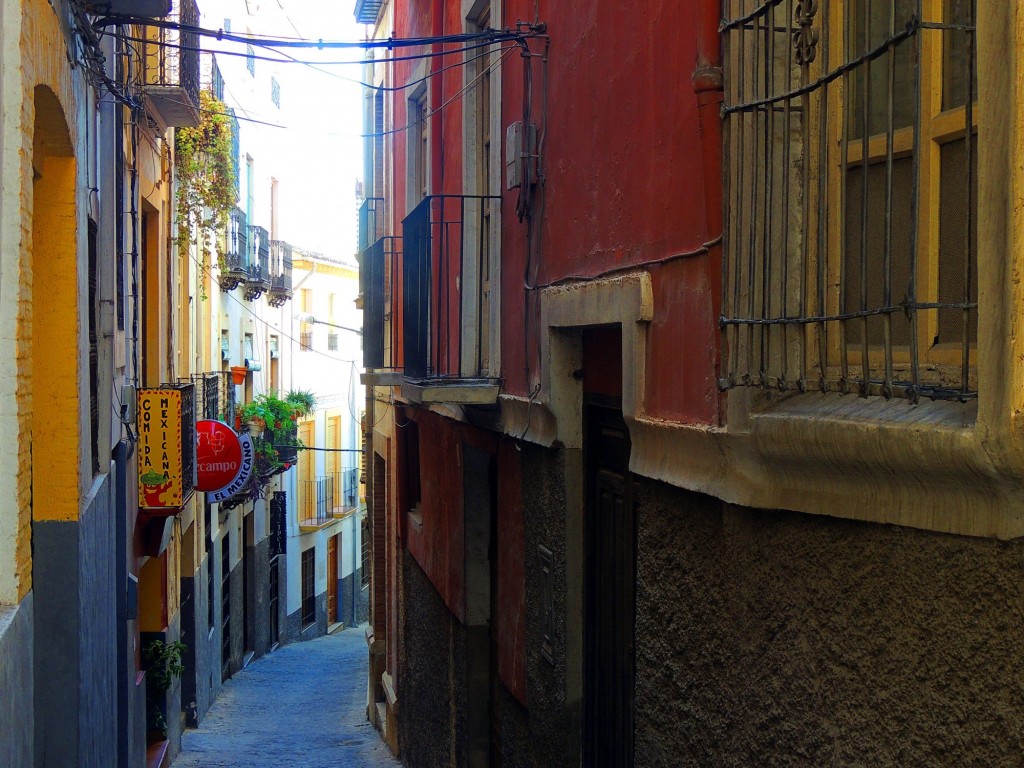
<point>275,418</point>
<point>164,663</point>
<point>205,170</point>
<point>303,400</point>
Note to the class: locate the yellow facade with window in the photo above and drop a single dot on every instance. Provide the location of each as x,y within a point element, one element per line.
<point>872,309</point>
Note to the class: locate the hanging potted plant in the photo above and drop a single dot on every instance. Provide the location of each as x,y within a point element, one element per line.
<point>238,373</point>
<point>303,402</point>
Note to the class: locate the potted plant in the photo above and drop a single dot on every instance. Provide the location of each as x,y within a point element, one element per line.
<point>163,665</point>
<point>303,401</point>
<point>238,373</point>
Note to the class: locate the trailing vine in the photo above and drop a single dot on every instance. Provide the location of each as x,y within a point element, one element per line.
<point>205,168</point>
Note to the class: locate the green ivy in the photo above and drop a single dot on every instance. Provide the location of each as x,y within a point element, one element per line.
<point>205,170</point>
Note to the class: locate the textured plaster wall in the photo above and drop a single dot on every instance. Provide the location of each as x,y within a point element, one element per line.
<point>33,52</point>
<point>432,676</point>
<point>771,638</point>
<point>362,595</point>
<point>554,718</point>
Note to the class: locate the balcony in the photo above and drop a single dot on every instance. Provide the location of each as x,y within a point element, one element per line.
<point>371,221</point>
<point>235,267</point>
<point>258,279</point>
<point>367,10</point>
<point>378,278</point>
<point>214,395</point>
<point>171,68</point>
<point>328,498</point>
<point>443,245</point>
<point>280,273</point>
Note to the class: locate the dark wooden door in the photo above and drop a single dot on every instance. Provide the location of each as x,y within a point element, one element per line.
<point>610,530</point>
<point>332,579</point>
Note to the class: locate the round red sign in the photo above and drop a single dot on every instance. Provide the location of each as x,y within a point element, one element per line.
<point>218,455</point>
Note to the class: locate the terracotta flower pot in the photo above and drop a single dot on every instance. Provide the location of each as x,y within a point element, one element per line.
<point>238,373</point>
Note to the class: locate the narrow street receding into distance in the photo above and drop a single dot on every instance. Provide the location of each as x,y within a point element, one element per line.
<point>302,705</point>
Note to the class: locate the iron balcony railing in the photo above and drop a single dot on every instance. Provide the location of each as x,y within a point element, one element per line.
<point>371,221</point>
<point>171,60</point>
<point>378,277</point>
<point>367,10</point>
<point>215,395</point>
<point>441,244</point>
<point>235,267</point>
<point>258,279</point>
<point>280,273</point>
<point>328,497</point>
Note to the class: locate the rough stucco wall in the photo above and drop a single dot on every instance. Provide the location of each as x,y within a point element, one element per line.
<point>432,676</point>
<point>769,638</point>
<point>514,731</point>
<point>552,722</point>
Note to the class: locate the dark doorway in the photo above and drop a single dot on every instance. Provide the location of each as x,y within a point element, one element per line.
<point>610,568</point>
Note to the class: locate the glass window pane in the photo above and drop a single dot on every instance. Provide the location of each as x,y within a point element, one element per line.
<point>958,70</point>
<point>872,23</point>
<point>958,239</point>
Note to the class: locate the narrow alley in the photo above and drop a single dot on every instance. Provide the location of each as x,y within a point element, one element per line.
<point>302,705</point>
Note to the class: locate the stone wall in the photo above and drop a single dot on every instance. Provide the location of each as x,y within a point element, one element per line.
<point>776,638</point>
<point>431,723</point>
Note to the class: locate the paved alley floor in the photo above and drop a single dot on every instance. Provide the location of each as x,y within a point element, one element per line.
<point>302,706</point>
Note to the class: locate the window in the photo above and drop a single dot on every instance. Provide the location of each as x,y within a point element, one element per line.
<point>419,148</point>
<point>308,587</point>
<point>305,328</point>
<point>332,342</point>
<point>851,200</point>
<point>250,59</point>
<point>485,187</point>
<point>275,92</point>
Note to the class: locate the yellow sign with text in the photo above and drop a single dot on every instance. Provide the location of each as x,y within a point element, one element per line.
<point>161,484</point>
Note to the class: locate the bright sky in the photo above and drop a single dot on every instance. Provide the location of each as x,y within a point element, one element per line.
<point>318,156</point>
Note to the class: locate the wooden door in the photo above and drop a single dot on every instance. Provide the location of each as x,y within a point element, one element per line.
<point>610,530</point>
<point>332,578</point>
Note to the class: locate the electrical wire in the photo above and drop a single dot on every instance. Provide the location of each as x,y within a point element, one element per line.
<point>456,96</point>
<point>390,43</point>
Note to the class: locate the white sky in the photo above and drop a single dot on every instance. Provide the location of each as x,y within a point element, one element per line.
<point>319,154</point>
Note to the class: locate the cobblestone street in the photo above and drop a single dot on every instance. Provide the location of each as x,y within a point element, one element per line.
<point>301,706</point>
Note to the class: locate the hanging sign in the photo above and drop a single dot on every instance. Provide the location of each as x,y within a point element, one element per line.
<point>161,480</point>
<point>224,460</point>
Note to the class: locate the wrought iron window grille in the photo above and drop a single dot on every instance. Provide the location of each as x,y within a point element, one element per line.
<point>851,197</point>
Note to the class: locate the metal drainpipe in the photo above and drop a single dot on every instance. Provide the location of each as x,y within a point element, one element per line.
<point>436,147</point>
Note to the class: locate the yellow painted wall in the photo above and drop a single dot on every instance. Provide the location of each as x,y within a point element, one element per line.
<point>37,56</point>
<point>56,429</point>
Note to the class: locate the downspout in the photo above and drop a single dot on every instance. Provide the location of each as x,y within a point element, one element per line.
<point>436,152</point>
<point>708,85</point>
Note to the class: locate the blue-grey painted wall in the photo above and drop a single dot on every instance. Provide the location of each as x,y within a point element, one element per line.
<point>16,716</point>
<point>75,636</point>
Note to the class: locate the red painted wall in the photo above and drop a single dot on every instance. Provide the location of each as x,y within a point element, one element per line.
<point>437,544</point>
<point>511,588</point>
<point>624,185</point>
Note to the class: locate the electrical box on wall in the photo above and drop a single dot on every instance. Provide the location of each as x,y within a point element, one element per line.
<point>520,150</point>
